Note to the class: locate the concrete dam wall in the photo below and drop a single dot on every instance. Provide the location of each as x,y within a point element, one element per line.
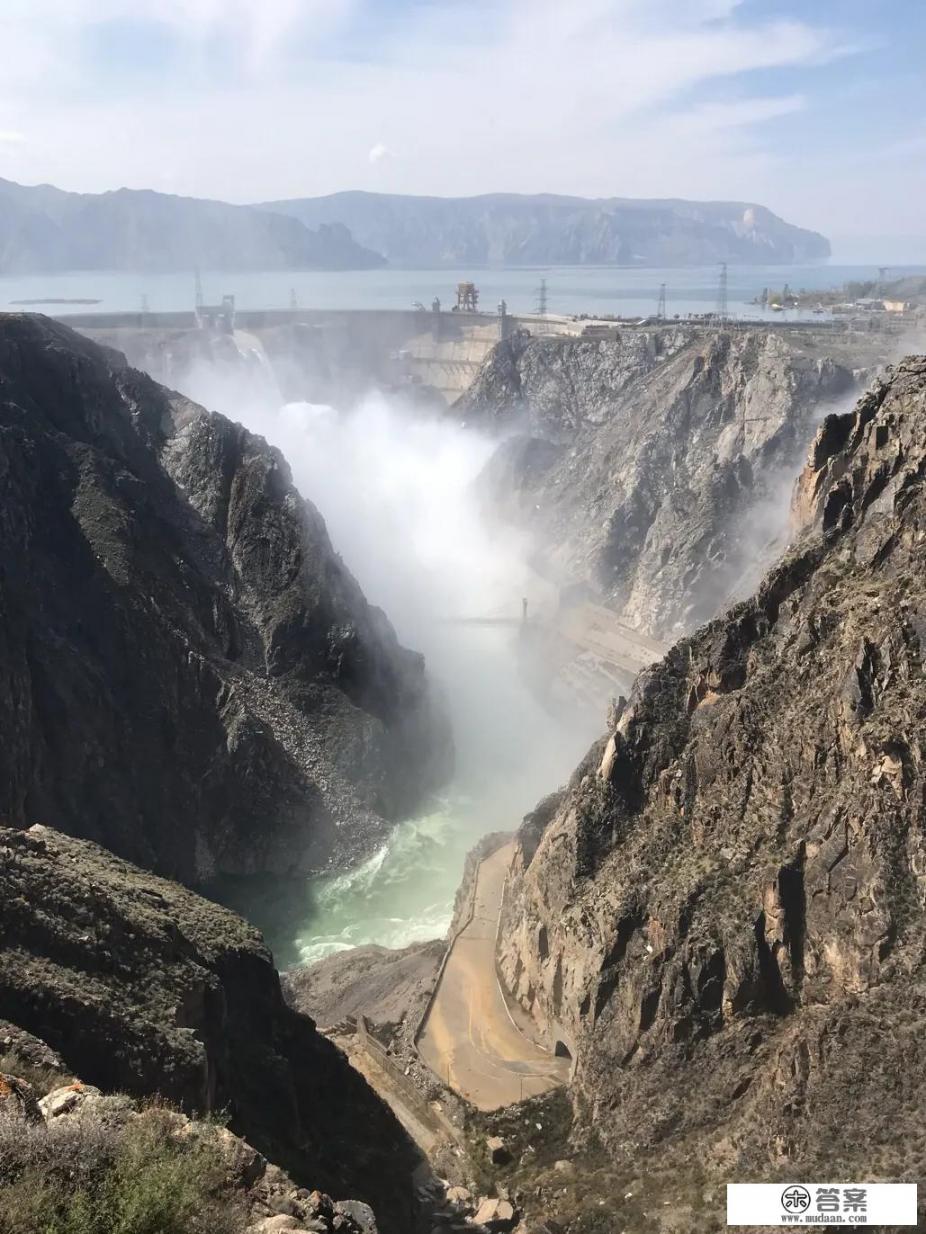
<point>338,356</point>
<point>314,355</point>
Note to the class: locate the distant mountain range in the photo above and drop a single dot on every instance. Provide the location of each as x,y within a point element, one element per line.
<point>44,229</point>
<point>510,229</point>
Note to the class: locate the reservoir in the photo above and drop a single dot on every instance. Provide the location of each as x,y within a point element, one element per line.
<point>570,289</point>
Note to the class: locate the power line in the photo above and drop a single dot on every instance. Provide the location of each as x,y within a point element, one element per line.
<point>542,298</point>
<point>722,294</point>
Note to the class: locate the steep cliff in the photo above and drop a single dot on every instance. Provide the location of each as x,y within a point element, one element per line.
<point>190,675</point>
<point>653,466</point>
<point>144,988</point>
<point>521,229</point>
<point>725,917</point>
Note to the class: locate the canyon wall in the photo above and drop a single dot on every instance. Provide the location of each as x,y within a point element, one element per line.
<point>191,676</point>
<point>724,914</point>
<point>653,468</point>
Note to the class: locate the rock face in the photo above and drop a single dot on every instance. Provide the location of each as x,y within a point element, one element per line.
<point>511,229</point>
<point>189,674</point>
<point>383,985</point>
<point>654,467</point>
<point>143,987</point>
<point>234,372</point>
<point>724,917</point>
<point>44,229</point>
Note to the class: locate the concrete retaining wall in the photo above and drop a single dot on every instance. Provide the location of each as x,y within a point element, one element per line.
<point>436,1119</point>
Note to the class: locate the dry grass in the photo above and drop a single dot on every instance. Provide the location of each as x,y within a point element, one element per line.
<point>98,1174</point>
<point>42,1079</point>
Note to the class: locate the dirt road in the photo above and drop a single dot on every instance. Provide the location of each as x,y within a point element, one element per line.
<point>469,1038</point>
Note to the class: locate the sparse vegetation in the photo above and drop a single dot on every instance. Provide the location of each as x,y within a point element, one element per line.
<point>42,1078</point>
<point>96,1175</point>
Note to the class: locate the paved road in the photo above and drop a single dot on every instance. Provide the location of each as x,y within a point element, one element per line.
<point>469,1038</point>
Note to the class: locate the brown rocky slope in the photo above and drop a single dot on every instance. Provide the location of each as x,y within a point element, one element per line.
<point>189,674</point>
<point>725,916</point>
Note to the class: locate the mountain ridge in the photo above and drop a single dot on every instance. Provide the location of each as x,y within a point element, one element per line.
<point>549,228</point>
<point>44,229</point>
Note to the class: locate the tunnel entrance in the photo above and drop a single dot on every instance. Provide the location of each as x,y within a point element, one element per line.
<point>561,1050</point>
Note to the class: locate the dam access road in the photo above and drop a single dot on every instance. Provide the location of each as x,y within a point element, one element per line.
<point>471,1037</point>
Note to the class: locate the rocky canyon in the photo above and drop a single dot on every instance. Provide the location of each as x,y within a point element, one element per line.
<point>192,677</point>
<point>723,913</point>
<point>715,927</point>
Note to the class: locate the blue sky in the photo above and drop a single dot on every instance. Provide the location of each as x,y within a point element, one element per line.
<point>817,110</point>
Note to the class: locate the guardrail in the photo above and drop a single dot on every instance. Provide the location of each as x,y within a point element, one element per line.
<point>438,1121</point>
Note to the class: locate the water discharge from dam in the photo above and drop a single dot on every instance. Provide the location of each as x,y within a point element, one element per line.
<point>399,493</point>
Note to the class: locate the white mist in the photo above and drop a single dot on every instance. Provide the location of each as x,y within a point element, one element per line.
<point>398,492</point>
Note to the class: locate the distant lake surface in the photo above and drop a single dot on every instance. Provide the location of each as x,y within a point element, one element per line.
<point>570,289</point>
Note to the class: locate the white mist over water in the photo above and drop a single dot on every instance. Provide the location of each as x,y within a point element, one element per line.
<point>397,491</point>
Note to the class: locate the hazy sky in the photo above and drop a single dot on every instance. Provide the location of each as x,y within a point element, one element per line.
<point>816,108</point>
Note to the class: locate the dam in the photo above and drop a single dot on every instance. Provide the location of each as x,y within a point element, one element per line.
<point>318,355</point>
<point>338,355</point>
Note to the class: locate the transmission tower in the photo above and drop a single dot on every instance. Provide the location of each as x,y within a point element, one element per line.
<point>661,306</point>
<point>293,300</point>
<point>542,298</point>
<point>145,306</point>
<point>722,294</point>
<point>198,286</point>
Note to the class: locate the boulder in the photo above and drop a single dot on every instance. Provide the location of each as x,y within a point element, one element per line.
<point>460,1197</point>
<point>361,1215</point>
<point>245,1164</point>
<point>65,1100</point>
<point>496,1215</point>
<point>497,1150</point>
<point>17,1099</point>
<point>16,1045</point>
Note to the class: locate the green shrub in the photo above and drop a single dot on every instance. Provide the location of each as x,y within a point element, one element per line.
<point>135,1178</point>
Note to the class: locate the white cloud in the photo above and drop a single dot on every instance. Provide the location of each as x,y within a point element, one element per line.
<point>526,95</point>
<point>11,137</point>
